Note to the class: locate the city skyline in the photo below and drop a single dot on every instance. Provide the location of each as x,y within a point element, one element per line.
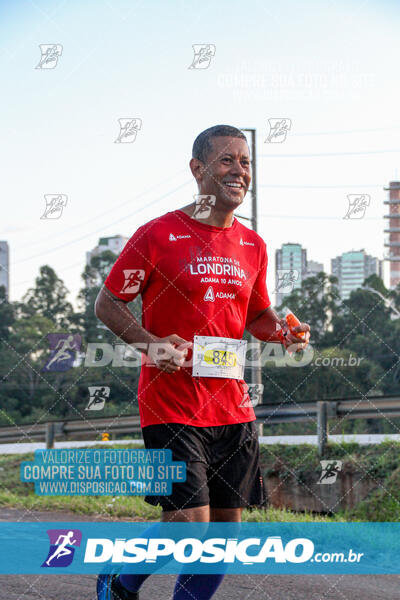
<point>305,268</point>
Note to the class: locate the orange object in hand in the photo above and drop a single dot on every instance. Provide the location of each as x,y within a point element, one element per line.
<point>293,322</point>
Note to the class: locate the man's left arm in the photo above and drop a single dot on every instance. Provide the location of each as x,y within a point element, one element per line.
<point>268,327</point>
<point>262,321</point>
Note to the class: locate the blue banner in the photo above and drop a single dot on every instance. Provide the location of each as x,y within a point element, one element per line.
<point>251,548</point>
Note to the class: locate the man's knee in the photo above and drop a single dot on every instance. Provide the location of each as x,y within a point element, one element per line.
<point>197,514</point>
<point>226,515</point>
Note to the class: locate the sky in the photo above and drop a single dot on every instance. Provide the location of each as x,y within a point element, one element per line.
<point>331,68</point>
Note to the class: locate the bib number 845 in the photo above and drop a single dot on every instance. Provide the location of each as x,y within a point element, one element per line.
<point>222,358</point>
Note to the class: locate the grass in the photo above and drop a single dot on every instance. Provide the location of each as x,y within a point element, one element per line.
<point>379,460</point>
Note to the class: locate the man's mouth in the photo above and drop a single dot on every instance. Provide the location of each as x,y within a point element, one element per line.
<point>233,185</point>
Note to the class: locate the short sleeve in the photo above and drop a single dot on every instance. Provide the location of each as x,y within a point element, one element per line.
<point>131,271</point>
<point>259,299</point>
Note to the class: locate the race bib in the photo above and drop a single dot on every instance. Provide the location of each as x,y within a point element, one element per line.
<point>218,357</point>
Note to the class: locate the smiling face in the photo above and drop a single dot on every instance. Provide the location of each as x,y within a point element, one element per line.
<point>226,173</point>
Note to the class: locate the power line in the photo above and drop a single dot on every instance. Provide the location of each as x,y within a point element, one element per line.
<point>343,132</point>
<point>366,152</point>
<point>329,186</point>
<point>322,218</point>
<point>102,228</point>
<point>106,212</point>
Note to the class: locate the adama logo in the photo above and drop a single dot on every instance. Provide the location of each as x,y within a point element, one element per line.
<point>209,295</point>
<point>172,238</point>
<point>242,243</point>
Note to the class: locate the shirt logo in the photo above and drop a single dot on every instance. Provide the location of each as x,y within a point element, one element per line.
<point>62,547</point>
<point>133,279</point>
<point>242,243</point>
<point>209,295</point>
<point>172,238</point>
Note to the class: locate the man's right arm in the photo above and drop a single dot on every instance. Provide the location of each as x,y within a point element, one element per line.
<point>115,314</point>
<point>162,352</point>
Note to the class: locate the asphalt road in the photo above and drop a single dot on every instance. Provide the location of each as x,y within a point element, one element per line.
<point>160,587</point>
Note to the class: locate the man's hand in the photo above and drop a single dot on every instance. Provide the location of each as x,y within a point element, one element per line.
<point>168,354</point>
<point>294,342</point>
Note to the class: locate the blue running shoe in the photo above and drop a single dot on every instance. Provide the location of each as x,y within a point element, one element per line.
<point>109,588</point>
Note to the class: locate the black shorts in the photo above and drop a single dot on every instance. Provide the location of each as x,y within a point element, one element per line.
<point>222,465</point>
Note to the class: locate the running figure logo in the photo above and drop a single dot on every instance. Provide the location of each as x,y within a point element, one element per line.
<point>357,206</point>
<point>203,54</point>
<point>204,204</point>
<point>252,396</point>
<point>63,347</point>
<point>50,54</point>
<point>98,396</point>
<point>278,129</point>
<point>128,129</point>
<point>55,203</point>
<point>286,280</point>
<point>330,470</point>
<point>133,279</point>
<point>62,547</point>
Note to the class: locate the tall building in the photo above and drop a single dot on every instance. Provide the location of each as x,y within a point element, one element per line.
<point>313,268</point>
<point>392,241</point>
<point>114,243</point>
<point>291,268</point>
<point>352,268</point>
<point>5,267</point>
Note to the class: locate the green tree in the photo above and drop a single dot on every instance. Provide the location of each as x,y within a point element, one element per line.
<point>314,303</point>
<point>48,299</point>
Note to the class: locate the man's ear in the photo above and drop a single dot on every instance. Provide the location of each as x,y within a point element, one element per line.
<point>197,168</point>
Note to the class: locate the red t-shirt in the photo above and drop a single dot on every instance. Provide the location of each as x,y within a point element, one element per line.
<point>195,279</point>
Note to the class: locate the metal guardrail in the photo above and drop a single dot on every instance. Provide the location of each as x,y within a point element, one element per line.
<point>320,412</point>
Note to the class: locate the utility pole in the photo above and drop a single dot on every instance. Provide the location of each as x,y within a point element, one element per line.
<point>255,370</point>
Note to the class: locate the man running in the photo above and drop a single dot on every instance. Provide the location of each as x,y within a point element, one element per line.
<point>199,277</point>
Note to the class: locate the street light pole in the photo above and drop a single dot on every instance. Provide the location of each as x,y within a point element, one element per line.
<point>255,370</point>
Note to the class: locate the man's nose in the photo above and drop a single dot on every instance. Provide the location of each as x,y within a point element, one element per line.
<point>238,169</point>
